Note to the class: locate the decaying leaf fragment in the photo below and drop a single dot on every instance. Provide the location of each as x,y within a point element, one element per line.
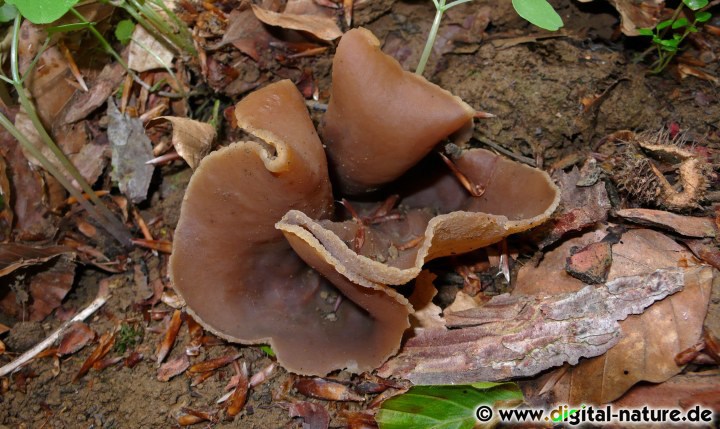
<point>319,26</point>
<point>637,14</point>
<point>192,139</point>
<point>517,336</point>
<point>131,149</point>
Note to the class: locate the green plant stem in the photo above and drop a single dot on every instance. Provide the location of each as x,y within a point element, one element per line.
<point>156,24</point>
<point>440,8</point>
<point>99,211</point>
<point>109,49</point>
<point>439,11</point>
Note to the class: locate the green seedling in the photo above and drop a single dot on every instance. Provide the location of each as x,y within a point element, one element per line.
<point>128,337</point>
<point>124,31</point>
<point>537,12</point>
<point>668,35</point>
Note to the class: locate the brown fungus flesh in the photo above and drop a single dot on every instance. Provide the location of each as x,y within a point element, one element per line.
<point>257,257</point>
<point>239,276</point>
<point>381,119</point>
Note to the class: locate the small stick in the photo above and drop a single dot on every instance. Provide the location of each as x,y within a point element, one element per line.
<point>475,190</point>
<point>497,147</point>
<point>30,354</point>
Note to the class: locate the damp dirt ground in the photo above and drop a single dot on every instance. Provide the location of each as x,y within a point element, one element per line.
<point>534,85</point>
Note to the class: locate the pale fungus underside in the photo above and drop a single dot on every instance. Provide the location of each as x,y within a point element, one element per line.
<point>258,256</point>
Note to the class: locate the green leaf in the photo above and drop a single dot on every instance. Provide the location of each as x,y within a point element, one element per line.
<point>663,24</point>
<point>8,12</point>
<point>703,16</point>
<point>268,350</point>
<point>43,11</point>
<point>447,407</point>
<point>124,31</point>
<point>680,23</point>
<point>645,31</point>
<point>695,4</point>
<point>538,12</point>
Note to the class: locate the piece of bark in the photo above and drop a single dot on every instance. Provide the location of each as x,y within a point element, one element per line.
<point>688,226</point>
<point>650,341</point>
<point>580,208</point>
<point>519,336</point>
<point>590,264</point>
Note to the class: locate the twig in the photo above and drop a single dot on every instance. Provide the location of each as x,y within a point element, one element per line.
<point>30,354</point>
<point>497,147</point>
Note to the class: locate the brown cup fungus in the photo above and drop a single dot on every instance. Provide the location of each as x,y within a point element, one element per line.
<point>258,258</point>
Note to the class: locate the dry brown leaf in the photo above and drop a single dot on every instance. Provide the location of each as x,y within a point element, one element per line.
<point>147,53</point>
<point>637,14</point>
<point>14,256</point>
<point>518,336</point>
<point>49,81</point>
<point>320,27</point>
<point>49,287</point>
<point>651,340</point>
<point>6,213</point>
<point>325,389</point>
<point>83,103</point>
<point>33,220</point>
<point>173,367</point>
<point>688,226</point>
<point>580,207</point>
<point>75,338</point>
<point>192,139</point>
<point>170,335</point>
<point>104,346</point>
<point>314,416</point>
<point>681,391</point>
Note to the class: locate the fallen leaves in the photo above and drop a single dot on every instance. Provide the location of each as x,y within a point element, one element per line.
<point>320,27</point>
<point>131,149</point>
<point>192,139</point>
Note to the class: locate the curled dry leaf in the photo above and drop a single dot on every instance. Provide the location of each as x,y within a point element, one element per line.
<point>192,139</point>
<point>107,341</point>
<point>326,389</point>
<point>265,271</point>
<point>170,336</point>
<point>237,399</point>
<point>173,367</point>
<point>213,364</point>
<point>77,336</point>
<point>319,26</point>
<point>688,226</point>
<point>14,256</point>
